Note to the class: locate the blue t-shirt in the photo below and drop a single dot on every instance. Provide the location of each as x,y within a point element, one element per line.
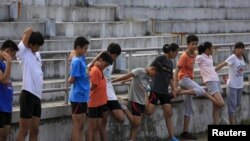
<point>80,89</point>
<point>6,93</point>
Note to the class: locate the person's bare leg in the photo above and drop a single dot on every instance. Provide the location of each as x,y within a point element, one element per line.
<point>103,131</point>
<point>167,109</point>
<point>24,127</point>
<point>34,130</point>
<point>92,128</point>
<point>4,132</point>
<point>150,108</point>
<point>78,124</point>
<point>136,122</point>
<point>216,107</point>
<point>232,120</point>
<point>118,115</point>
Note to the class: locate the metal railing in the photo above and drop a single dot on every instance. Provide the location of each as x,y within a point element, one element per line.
<point>129,53</point>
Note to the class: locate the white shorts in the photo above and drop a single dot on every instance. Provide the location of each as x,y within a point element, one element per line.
<point>213,87</point>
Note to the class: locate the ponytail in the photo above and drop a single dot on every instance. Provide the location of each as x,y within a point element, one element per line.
<point>172,47</point>
<point>203,47</point>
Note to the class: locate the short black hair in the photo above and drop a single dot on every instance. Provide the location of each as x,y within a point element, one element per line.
<point>105,56</point>
<point>157,66</point>
<point>239,45</point>
<point>114,48</point>
<point>9,44</point>
<point>192,38</point>
<point>81,42</point>
<point>36,38</point>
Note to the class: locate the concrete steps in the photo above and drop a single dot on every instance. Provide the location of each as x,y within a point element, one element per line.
<point>14,30</point>
<point>170,13</point>
<point>203,26</point>
<point>157,40</point>
<point>102,29</point>
<point>64,3</point>
<point>4,10</point>
<point>176,3</point>
<point>68,14</point>
<point>48,84</point>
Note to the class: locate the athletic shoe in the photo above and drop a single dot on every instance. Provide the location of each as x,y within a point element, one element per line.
<point>174,139</point>
<point>188,136</point>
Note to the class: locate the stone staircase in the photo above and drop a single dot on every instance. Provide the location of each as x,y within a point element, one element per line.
<point>131,23</point>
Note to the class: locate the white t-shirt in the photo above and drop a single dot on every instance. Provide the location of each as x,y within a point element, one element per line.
<point>205,63</point>
<point>32,70</point>
<point>236,70</point>
<point>110,89</point>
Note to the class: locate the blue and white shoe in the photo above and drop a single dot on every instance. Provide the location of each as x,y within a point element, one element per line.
<point>174,139</point>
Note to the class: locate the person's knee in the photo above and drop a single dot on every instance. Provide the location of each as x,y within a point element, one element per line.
<point>221,104</point>
<point>34,131</point>
<point>121,119</point>
<point>23,132</point>
<point>200,92</point>
<point>169,114</point>
<point>136,124</point>
<point>79,127</point>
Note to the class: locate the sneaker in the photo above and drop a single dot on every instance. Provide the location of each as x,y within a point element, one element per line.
<point>188,136</point>
<point>174,139</point>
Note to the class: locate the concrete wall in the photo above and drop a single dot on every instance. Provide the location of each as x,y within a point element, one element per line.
<point>126,12</point>
<point>69,14</point>
<point>203,27</point>
<point>4,10</point>
<point>175,3</point>
<point>64,3</point>
<point>56,122</point>
<point>102,29</point>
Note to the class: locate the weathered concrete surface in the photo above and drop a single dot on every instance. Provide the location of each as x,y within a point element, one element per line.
<point>64,3</point>
<point>102,29</point>
<point>203,26</point>
<point>69,14</point>
<point>157,40</point>
<point>133,42</point>
<point>127,12</point>
<point>56,122</point>
<point>175,3</point>
<point>14,30</point>
<point>4,13</point>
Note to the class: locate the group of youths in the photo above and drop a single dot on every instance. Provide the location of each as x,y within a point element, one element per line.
<point>92,94</point>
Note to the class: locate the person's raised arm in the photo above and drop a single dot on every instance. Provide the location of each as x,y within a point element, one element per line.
<point>91,64</point>
<point>26,36</point>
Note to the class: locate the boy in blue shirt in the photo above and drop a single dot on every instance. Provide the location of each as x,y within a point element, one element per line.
<point>7,52</point>
<point>79,94</point>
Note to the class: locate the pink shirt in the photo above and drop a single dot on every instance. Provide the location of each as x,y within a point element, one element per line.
<point>207,69</point>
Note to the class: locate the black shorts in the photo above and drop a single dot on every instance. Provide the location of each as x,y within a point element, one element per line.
<point>136,108</point>
<point>79,107</point>
<point>30,105</point>
<point>97,112</point>
<point>5,119</point>
<point>113,105</point>
<point>164,98</point>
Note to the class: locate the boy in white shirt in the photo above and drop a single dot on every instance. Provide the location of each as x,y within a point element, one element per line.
<point>30,97</point>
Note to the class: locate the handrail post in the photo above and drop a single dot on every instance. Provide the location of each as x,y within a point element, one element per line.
<point>129,61</point>
<point>66,79</point>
